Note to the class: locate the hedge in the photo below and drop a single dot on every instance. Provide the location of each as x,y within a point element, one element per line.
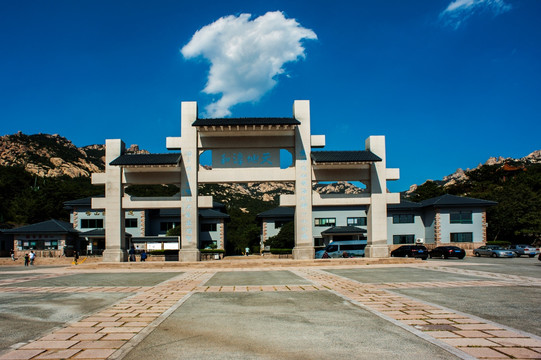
<point>281,251</point>
<point>212,251</point>
<point>499,243</point>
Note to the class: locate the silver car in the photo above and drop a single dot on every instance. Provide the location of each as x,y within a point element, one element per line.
<point>494,251</point>
<point>522,249</point>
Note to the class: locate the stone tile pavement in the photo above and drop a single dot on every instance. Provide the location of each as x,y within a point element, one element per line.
<point>112,332</point>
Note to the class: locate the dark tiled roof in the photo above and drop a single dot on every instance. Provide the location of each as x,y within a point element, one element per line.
<point>82,202</point>
<point>344,156</point>
<point>45,227</point>
<point>343,230</point>
<point>245,121</point>
<point>147,159</point>
<point>279,212</point>
<point>212,214</point>
<point>94,233</point>
<point>405,205</point>
<point>458,201</point>
<point>170,212</point>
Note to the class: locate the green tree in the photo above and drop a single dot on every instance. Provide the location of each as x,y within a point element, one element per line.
<point>285,239</point>
<point>427,190</point>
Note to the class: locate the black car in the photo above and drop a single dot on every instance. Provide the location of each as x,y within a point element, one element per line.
<point>446,252</point>
<point>417,251</point>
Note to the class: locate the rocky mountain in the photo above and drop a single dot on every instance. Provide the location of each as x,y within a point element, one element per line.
<point>505,165</point>
<point>270,191</point>
<point>52,155</point>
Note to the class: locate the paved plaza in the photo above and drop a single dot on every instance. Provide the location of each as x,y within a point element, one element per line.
<point>453,309</point>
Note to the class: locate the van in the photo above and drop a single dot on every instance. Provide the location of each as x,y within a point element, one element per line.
<point>336,249</point>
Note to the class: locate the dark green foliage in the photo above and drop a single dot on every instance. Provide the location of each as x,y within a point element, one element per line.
<point>27,199</point>
<point>427,190</point>
<point>503,244</point>
<point>212,251</point>
<point>285,239</point>
<point>281,251</point>
<point>174,231</point>
<point>517,217</point>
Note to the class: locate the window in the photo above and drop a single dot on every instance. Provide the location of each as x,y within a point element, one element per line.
<point>325,221</point>
<point>461,217</point>
<point>130,223</point>
<point>403,219</point>
<point>331,248</point>
<point>208,227</point>
<point>403,239</point>
<point>462,237</point>
<point>357,221</point>
<point>164,226</point>
<point>38,245</point>
<point>91,223</point>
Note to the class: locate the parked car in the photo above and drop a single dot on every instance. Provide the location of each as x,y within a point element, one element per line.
<point>446,252</point>
<point>343,248</point>
<point>494,251</point>
<point>522,249</point>
<point>416,251</point>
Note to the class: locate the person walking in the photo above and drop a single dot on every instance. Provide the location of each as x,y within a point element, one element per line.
<point>132,253</point>
<point>26,259</point>
<point>75,257</point>
<point>12,255</point>
<point>143,255</point>
<point>32,257</point>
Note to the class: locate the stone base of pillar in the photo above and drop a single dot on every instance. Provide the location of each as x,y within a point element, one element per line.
<point>303,253</point>
<point>115,255</point>
<point>189,255</point>
<point>376,251</point>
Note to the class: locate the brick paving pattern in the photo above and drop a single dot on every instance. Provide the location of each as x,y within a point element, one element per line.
<point>103,334</point>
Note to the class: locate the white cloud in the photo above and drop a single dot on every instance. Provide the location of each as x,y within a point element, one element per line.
<point>246,56</point>
<point>459,11</point>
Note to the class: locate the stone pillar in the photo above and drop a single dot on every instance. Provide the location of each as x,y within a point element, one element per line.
<point>304,242</point>
<point>377,210</point>
<point>115,236</point>
<point>188,188</point>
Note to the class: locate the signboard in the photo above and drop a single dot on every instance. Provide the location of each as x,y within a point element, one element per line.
<point>154,246</point>
<point>245,158</point>
<point>170,246</point>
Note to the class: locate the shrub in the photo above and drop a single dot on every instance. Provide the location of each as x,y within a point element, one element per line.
<point>499,243</point>
<point>281,251</point>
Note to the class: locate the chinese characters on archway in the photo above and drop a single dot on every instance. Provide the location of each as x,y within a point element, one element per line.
<point>245,158</point>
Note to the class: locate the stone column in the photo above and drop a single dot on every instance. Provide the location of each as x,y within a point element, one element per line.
<point>115,236</point>
<point>304,242</point>
<point>188,188</point>
<point>377,210</point>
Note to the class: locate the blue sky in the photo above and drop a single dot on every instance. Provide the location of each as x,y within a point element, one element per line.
<point>449,83</point>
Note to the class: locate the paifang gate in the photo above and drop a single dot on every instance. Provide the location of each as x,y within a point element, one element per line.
<point>245,150</point>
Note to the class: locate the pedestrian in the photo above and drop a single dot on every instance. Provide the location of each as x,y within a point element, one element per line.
<point>132,253</point>
<point>26,259</point>
<point>143,255</point>
<point>32,256</point>
<point>75,257</point>
<point>12,255</point>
